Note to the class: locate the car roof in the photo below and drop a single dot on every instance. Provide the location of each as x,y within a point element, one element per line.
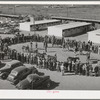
<point>33,76</point>
<point>73,57</point>
<point>30,66</point>
<point>13,62</point>
<point>19,69</point>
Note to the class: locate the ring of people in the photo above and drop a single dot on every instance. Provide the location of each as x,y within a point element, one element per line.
<point>47,54</point>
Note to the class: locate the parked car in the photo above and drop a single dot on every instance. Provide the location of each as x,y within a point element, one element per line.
<point>20,73</point>
<point>2,64</point>
<point>5,71</point>
<point>34,81</point>
<point>73,58</point>
<point>95,70</point>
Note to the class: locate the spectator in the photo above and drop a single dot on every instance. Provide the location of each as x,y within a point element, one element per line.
<point>62,69</point>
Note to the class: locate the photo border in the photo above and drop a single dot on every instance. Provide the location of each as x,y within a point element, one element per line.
<point>44,94</point>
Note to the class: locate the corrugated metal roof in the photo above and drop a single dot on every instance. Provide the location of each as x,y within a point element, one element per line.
<point>71,25</point>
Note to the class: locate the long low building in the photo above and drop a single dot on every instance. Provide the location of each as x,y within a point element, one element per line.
<point>94,36</point>
<point>37,25</point>
<point>10,16</point>
<point>76,19</point>
<point>70,29</point>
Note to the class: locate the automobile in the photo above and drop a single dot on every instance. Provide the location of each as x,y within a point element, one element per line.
<point>5,71</point>
<point>73,58</point>
<point>2,64</point>
<point>95,70</point>
<point>34,81</point>
<point>20,73</point>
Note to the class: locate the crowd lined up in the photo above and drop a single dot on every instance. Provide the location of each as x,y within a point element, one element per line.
<point>65,43</point>
<point>80,68</point>
<point>46,61</point>
<point>80,46</point>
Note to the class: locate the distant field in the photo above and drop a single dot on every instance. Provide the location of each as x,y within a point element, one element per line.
<point>88,12</point>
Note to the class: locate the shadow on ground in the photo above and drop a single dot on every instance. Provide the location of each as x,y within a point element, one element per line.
<point>53,85</point>
<point>69,74</point>
<point>40,73</point>
<point>51,51</point>
<point>55,46</point>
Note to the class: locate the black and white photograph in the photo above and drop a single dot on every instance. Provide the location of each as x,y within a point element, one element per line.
<point>49,47</point>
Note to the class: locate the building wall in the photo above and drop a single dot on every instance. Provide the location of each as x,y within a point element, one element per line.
<point>24,27</point>
<point>44,26</point>
<point>68,32</point>
<point>76,31</point>
<point>94,37</point>
<point>54,31</point>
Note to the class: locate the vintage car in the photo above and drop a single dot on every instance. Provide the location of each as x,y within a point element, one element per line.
<point>20,73</point>
<point>73,58</point>
<point>2,64</point>
<point>34,81</point>
<point>5,71</point>
<point>95,68</point>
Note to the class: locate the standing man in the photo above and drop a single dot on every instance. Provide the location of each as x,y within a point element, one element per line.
<point>53,40</point>
<point>31,45</point>
<point>88,56</point>
<point>46,43</point>
<point>62,68</point>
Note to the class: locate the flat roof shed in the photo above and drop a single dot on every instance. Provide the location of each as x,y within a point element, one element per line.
<point>58,29</point>
<point>27,25</point>
<point>94,36</point>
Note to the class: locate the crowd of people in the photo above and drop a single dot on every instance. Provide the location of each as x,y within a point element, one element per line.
<point>80,46</point>
<point>65,43</point>
<point>80,68</point>
<point>46,61</point>
<point>41,60</point>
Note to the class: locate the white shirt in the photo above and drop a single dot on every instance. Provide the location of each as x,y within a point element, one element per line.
<point>62,67</point>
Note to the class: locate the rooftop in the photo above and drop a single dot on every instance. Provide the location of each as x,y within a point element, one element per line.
<point>7,15</point>
<point>71,25</point>
<point>45,21</point>
<point>41,22</point>
<point>75,19</point>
